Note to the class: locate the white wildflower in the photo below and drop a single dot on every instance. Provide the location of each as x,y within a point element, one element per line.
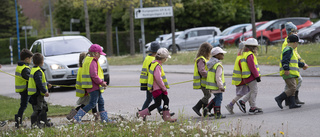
<point>133,130</point>
<point>197,135</point>
<point>171,127</point>
<point>171,133</point>
<point>182,130</point>
<point>204,131</point>
<point>121,125</point>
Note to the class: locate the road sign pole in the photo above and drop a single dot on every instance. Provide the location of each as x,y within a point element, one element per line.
<point>142,34</point>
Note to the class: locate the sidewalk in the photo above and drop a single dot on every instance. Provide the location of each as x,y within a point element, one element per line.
<point>228,69</point>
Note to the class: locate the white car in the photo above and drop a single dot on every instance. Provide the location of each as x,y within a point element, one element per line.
<point>61,58</point>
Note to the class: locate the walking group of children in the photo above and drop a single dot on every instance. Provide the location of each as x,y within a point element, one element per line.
<point>208,76</point>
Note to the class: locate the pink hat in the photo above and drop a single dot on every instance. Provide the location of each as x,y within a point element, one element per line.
<point>96,48</point>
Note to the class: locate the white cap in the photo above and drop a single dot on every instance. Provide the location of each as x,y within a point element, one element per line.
<point>217,50</point>
<point>163,53</point>
<point>251,42</point>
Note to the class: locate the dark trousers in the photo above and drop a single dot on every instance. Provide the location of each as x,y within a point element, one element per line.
<point>23,102</point>
<point>94,110</point>
<point>157,102</point>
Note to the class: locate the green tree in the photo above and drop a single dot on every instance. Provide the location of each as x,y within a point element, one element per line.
<point>8,19</point>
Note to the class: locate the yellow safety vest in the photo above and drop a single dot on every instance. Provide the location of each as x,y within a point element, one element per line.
<point>285,43</point>
<point>236,76</point>
<point>144,72</point>
<point>211,78</point>
<point>293,65</point>
<point>86,81</point>
<point>32,87</point>
<point>244,65</point>
<point>20,82</point>
<point>80,92</point>
<point>199,81</point>
<point>150,75</point>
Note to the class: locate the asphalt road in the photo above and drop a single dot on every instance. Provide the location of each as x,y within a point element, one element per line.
<point>303,121</point>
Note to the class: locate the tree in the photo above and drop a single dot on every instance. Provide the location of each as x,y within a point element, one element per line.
<point>8,19</point>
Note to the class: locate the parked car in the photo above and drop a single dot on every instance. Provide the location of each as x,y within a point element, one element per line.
<point>215,40</point>
<point>164,40</point>
<point>191,39</point>
<point>61,58</point>
<point>271,30</point>
<point>311,33</point>
<point>235,37</point>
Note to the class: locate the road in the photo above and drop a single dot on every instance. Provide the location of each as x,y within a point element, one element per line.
<point>303,121</point>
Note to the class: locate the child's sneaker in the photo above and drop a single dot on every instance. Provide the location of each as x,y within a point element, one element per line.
<point>242,106</point>
<point>255,110</point>
<point>230,108</point>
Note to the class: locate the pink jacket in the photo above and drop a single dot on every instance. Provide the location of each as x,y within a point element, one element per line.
<point>253,69</point>
<point>96,81</point>
<point>157,79</point>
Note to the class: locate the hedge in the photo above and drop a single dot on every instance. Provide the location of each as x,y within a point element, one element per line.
<point>98,37</point>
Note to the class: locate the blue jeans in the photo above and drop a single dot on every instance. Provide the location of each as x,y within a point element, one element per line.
<point>95,97</point>
<point>149,98</point>
<point>217,99</point>
<point>23,102</point>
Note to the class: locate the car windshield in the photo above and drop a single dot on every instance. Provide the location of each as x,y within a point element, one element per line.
<point>264,26</point>
<point>226,31</point>
<point>317,24</point>
<point>66,46</point>
<point>249,27</point>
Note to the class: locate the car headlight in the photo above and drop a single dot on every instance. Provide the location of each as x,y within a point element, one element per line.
<point>102,61</point>
<point>57,66</point>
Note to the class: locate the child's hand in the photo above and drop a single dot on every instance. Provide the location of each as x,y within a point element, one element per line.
<point>49,86</point>
<point>286,72</point>
<point>46,94</point>
<point>305,67</point>
<point>104,84</point>
<point>222,89</point>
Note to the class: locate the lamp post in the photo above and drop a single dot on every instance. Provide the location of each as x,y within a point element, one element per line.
<point>25,28</point>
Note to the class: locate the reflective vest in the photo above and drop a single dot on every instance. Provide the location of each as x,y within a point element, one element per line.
<point>199,81</point>
<point>150,76</point>
<point>32,87</point>
<point>236,76</point>
<point>86,81</point>
<point>293,65</point>
<point>80,92</point>
<point>211,78</point>
<point>285,43</point>
<point>244,65</point>
<point>20,83</point>
<point>144,72</point>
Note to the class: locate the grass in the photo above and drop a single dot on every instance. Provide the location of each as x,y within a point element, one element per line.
<point>309,52</point>
<point>9,107</point>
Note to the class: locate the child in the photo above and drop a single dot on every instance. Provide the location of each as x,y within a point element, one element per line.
<point>200,75</point>
<point>38,88</point>
<point>241,87</point>
<point>292,29</point>
<point>289,70</point>
<point>250,73</point>
<point>92,82</point>
<point>84,97</point>
<point>215,82</point>
<point>158,85</point>
<point>21,82</point>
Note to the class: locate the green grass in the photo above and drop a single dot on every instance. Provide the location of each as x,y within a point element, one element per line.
<point>309,52</point>
<point>10,106</point>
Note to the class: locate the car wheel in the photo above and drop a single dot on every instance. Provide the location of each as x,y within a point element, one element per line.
<point>316,38</point>
<point>170,48</point>
<point>264,41</point>
<point>107,79</point>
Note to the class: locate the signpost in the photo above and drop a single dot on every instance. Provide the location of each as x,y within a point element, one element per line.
<point>25,28</point>
<point>154,12</point>
<point>73,21</point>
